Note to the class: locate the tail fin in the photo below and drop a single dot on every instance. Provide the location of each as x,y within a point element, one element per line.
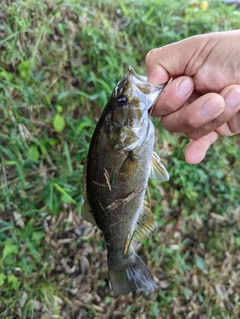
<point>130,275</point>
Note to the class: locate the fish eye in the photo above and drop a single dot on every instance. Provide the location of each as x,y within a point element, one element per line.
<point>121,100</point>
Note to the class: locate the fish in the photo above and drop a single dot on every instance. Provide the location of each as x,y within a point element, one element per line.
<point>120,161</point>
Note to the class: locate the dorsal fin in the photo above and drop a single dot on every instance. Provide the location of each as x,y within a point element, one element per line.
<point>157,170</point>
<point>146,223</point>
<point>86,210</point>
<point>87,213</point>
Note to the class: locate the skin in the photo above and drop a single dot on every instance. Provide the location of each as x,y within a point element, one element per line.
<point>203,99</point>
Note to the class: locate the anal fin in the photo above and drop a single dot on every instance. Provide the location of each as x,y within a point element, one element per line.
<point>146,223</point>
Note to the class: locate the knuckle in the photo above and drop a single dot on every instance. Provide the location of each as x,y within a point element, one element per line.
<point>168,106</point>
<point>153,56</point>
<point>191,122</point>
<point>149,56</point>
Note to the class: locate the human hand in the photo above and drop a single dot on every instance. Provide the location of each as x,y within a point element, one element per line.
<point>203,100</point>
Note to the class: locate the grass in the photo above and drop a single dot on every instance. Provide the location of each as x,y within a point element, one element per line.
<point>59,63</point>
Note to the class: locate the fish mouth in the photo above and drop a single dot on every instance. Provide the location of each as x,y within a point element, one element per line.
<point>152,91</point>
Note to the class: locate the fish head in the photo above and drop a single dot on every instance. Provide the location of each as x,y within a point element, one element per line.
<point>131,100</point>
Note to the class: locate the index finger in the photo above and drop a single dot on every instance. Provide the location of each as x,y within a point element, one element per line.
<point>174,59</point>
<point>156,73</point>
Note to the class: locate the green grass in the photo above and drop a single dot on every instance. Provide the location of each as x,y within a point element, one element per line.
<point>60,61</point>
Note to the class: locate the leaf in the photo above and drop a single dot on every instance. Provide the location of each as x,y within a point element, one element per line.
<point>66,198</point>
<point>85,123</point>
<point>2,279</point>
<point>187,293</point>
<point>58,123</point>
<point>33,153</point>
<point>200,262</point>
<point>13,280</point>
<point>108,299</point>
<point>9,249</point>
<point>59,108</point>
<point>238,241</point>
<point>37,236</point>
<point>6,75</point>
<point>24,69</point>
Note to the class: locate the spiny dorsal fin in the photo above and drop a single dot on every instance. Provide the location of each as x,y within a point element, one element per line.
<point>87,213</point>
<point>157,170</point>
<point>84,179</point>
<point>86,210</point>
<point>146,223</point>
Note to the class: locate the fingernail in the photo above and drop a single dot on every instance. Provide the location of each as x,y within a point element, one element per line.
<point>232,99</point>
<point>211,107</point>
<point>185,87</point>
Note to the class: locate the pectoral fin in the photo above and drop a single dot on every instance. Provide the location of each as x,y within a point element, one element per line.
<point>86,210</point>
<point>157,170</point>
<point>146,223</point>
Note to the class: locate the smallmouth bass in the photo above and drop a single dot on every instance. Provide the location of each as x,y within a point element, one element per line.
<point>120,160</point>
